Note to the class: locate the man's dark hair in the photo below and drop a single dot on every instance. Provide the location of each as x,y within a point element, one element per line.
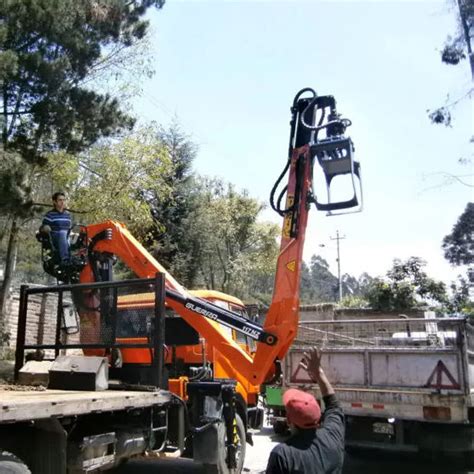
<point>56,195</point>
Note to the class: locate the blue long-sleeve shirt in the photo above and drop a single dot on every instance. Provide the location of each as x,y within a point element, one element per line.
<point>60,223</point>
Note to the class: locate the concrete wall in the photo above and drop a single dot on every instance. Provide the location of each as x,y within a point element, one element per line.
<point>329,312</point>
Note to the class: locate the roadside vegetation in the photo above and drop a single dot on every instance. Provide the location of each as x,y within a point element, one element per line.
<point>68,70</point>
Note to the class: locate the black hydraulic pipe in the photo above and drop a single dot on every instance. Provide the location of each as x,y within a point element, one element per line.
<point>159,330</point>
<point>59,317</point>
<point>21,331</point>
<point>223,316</point>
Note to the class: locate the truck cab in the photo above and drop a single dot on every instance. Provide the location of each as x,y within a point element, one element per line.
<point>187,355</point>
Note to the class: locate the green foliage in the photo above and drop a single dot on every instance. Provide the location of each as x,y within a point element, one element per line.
<point>457,48</point>
<point>320,285</point>
<point>411,272</point>
<point>354,302</point>
<point>355,288</point>
<point>49,49</point>
<point>406,286</point>
<point>305,284</point>
<point>452,53</point>
<point>440,116</point>
<point>117,181</point>
<point>460,303</point>
<point>171,240</point>
<point>231,250</point>
<point>458,246</point>
<point>15,193</point>
<point>28,268</point>
<point>112,181</point>
<point>390,296</point>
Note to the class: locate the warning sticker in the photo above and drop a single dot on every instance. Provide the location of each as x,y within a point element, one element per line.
<point>435,380</point>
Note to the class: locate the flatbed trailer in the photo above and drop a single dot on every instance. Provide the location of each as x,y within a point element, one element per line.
<point>91,417</point>
<point>30,405</point>
<point>59,431</point>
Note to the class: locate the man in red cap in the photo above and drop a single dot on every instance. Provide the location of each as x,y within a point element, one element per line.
<point>317,445</point>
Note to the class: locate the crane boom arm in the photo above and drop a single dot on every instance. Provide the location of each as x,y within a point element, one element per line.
<point>282,319</point>
<point>334,154</point>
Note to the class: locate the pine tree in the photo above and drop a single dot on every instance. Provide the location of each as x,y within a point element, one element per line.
<point>49,50</point>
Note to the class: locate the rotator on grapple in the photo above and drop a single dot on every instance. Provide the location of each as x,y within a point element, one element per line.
<point>334,152</point>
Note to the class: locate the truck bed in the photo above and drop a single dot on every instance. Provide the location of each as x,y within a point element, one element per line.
<point>25,405</point>
<point>380,370</point>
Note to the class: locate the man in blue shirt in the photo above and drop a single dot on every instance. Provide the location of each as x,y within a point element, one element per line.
<point>57,222</point>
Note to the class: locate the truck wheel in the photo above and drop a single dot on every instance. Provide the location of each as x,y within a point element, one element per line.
<point>10,464</point>
<point>280,427</point>
<point>221,467</point>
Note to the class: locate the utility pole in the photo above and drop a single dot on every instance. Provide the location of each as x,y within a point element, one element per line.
<point>337,239</point>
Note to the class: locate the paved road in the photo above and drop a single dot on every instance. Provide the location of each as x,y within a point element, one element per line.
<point>264,440</point>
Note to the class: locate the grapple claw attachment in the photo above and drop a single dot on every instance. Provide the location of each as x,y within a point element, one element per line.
<point>335,155</point>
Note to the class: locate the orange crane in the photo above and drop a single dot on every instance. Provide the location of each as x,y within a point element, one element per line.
<point>317,139</point>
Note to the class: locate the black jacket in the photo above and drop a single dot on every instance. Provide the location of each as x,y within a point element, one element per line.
<point>313,451</point>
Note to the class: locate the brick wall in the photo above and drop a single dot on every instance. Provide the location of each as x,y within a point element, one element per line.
<point>41,321</point>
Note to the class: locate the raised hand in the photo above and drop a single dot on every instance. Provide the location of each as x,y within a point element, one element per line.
<point>312,363</point>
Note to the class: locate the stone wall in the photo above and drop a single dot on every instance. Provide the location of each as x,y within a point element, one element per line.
<point>41,320</point>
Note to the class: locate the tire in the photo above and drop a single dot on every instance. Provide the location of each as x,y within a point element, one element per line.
<point>221,467</point>
<point>10,464</point>
<point>280,427</point>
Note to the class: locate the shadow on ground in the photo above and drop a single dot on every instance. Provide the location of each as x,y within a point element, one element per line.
<point>155,466</point>
<point>267,432</point>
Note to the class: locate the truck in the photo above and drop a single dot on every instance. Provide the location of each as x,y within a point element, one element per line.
<point>146,366</point>
<point>405,384</point>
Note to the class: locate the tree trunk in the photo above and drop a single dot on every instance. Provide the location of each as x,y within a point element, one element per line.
<point>10,263</point>
<point>464,11</point>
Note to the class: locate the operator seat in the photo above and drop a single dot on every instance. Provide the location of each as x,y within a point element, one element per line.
<point>64,270</point>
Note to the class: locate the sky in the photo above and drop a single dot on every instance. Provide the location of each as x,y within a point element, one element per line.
<point>228,71</point>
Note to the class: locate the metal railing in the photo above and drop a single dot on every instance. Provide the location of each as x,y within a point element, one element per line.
<point>388,333</point>
<point>86,318</point>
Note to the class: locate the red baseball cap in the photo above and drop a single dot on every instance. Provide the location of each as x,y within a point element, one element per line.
<point>302,409</point>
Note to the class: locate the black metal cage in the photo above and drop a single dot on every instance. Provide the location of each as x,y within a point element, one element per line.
<point>94,319</point>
